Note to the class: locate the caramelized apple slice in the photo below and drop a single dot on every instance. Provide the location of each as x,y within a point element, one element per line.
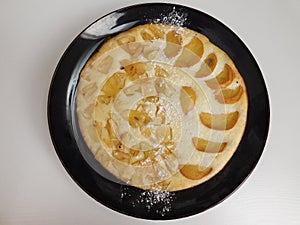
<point>110,126</point>
<point>121,156</point>
<point>203,145</point>
<point>112,143</point>
<point>152,32</point>
<point>163,185</point>
<point>146,131</point>
<point>222,80</point>
<point>174,41</point>
<point>136,70</point>
<point>187,99</point>
<point>160,72</point>
<point>207,66</point>
<point>230,96</point>
<point>129,45</point>
<point>147,36</point>
<point>103,99</point>
<point>114,84</point>
<point>156,31</point>
<point>219,121</point>
<point>194,172</point>
<point>137,157</point>
<point>138,119</point>
<point>192,53</point>
<point>133,152</point>
<point>98,126</point>
<point>153,99</point>
<point>106,133</point>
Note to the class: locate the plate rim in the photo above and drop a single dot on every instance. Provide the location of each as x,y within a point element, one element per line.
<point>67,51</point>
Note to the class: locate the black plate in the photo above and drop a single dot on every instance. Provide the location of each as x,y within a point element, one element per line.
<point>129,200</point>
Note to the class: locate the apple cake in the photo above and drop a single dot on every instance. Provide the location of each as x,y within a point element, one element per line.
<point>161,107</point>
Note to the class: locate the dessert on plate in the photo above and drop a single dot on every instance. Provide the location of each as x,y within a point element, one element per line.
<point>161,107</point>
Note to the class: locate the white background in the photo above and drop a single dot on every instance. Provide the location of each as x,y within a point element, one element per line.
<point>34,187</point>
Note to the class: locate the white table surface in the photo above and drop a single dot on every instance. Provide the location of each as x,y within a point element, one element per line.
<point>34,187</point>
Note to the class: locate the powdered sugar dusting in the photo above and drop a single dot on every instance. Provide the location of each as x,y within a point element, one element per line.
<point>175,18</point>
<point>159,201</point>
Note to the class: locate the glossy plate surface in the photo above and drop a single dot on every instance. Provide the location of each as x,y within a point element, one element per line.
<point>81,165</point>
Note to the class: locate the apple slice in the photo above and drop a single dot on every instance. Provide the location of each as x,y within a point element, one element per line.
<point>121,156</point>
<point>135,70</point>
<point>156,30</point>
<point>219,121</point>
<point>147,36</point>
<point>207,66</point>
<point>98,126</point>
<point>203,145</point>
<point>160,72</point>
<point>174,41</point>
<point>162,186</point>
<point>229,96</point>
<point>110,127</point>
<point>128,44</point>
<point>88,112</point>
<point>194,172</point>
<point>124,40</point>
<point>222,80</point>
<point>187,99</point>
<point>138,118</point>
<point>146,131</point>
<point>150,52</point>
<point>103,99</point>
<point>133,89</point>
<point>105,64</point>
<point>152,32</point>
<point>114,84</point>
<point>89,90</point>
<point>191,54</point>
